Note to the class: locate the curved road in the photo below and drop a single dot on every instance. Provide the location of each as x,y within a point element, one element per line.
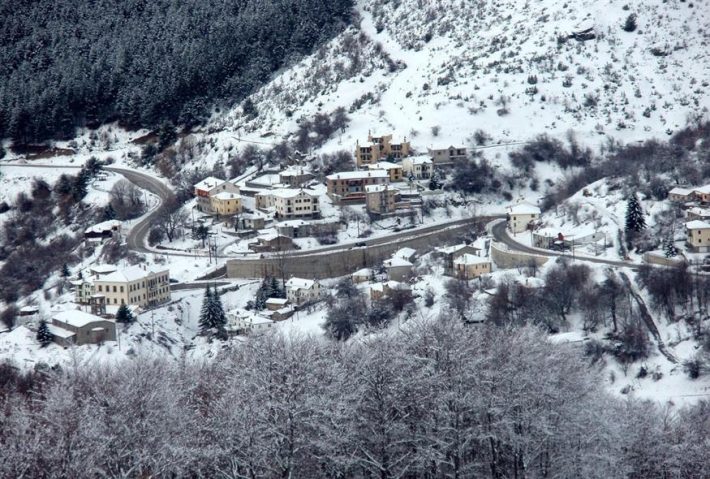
<point>500,233</point>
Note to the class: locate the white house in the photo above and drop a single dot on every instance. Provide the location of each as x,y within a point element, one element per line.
<point>522,215</point>
<point>398,269</point>
<point>420,167</point>
<point>300,291</point>
<point>468,266</point>
<point>698,235</point>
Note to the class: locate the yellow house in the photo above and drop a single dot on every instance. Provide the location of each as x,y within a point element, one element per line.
<point>226,204</point>
<point>468,266</point>
<point>393,169</point>
<point>698,235</point>
<point>379,147</point>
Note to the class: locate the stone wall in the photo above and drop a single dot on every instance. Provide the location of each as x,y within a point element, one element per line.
<point>505,258</point>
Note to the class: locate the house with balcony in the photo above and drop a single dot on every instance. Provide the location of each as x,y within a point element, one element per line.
<point>394,170</point>
<point>469,266</point>
<point>349,186</point>
<point>418,167</point>
<point>226,204</point>
<point>289,203</point>
<point>447,155</point>
<point>210,186</point>
<point>381,147</point>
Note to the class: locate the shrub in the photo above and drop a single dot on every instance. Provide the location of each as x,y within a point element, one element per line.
<point>630,23</point>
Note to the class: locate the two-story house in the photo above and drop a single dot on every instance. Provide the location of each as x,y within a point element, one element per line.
<point>210,186</point>
<point>350,185</point>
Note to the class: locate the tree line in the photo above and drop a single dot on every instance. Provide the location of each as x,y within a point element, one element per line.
<point>88,62</point>
<point>435,399</point>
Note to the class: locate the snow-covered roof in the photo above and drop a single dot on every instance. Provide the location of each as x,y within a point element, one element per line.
<point>254,216</point>
<point>375,188</point>
<point>209,183</point>
<point>469,258</point>
<point>420,160</point>
<point>680,191</point>
<point>300,283</point>
<point>404,253</point>
<point>702,189</point>
<point>450,249</point>
<point>294,223</point>
<point>697,225</point>
<point>356,175</point>
<point>524,209</point>
<point>293,172</point>
<point>77,318</point>
<point>109,225</point>
<point>225,195</point>
<point>396,262</point>
<point>289,193</point>
<point>258,320</point>
<point>29,309</point>
<point>278,301</point>
<point>383,165</point>
<point>60,332</point>
<point>132,273</point>
<point>102,268</point>
<point>702,212</point>
<point>364,272</point>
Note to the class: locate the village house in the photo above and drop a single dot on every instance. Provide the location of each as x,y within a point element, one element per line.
<point>702,194</point>
<point>289,203</point>
<point>270,240</point>
<point>209,187</point>
<point>469,266</point>
<point>521,216</point>
<point>139,285</point>
<point>450,253</point>
<point>697,213</point>
<point>418,167</point>
<point>380,199</point>
<point>379,291</point>
<point>274,304</point>
<point>362,276</point>
<point>350,185</point>
<point>680,195</point>
<point>698,238</point>
<point>294,177</point>
<point>102,231</point>
<point>226,203</point>
<point>300,291</point>
<point>240,321</point>
<point>393,170</point>
<point>398,269</point>
<point>380,147</point>
<point>252,221</point>
<point>78,328</point>
<point>84,286</point>
<point>447,155</point>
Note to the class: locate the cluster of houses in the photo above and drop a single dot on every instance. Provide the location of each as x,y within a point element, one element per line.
<point>695,201</point>
<point>382,182</point>
<point>103,290</point>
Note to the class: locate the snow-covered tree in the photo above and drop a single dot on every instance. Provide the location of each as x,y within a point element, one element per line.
<point>205,320</point>
<point>124,315</point>
<point>669,248</point>
<point>43,335</point>
<point>635,220</point>
<point>212,316</point>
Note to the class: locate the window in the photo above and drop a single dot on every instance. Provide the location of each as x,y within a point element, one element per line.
<point>122,289</point>
<point>114,289</point>
<point>99,288</point>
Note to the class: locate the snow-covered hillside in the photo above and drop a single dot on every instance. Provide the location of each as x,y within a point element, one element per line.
<point>505,67</point>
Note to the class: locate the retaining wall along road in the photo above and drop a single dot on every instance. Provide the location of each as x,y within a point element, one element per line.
<point>332,264</point>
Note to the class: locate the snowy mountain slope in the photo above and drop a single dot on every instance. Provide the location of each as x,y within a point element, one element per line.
<point>412,65</point>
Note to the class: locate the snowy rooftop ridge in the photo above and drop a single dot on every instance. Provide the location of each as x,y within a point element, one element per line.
<point>77,318</point>
<point>524,209</point>
<point>300,283</point>
<point>132,273</point>
<point>697,225</point>
<point>354,175</point>
<point>209,183</point>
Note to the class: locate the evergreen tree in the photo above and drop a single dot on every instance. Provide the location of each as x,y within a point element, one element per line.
<point>669,248</point>
<point>65,271</point>
<point>205,323</point>
<point>635,221</point>
<point>43,335</point>
<point>124,315</point>
<point>217,316</point>
<point>630,23</point>
<point>434,182</point>
<point>276,290</point>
